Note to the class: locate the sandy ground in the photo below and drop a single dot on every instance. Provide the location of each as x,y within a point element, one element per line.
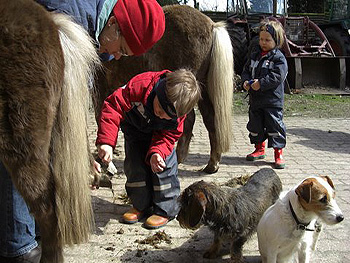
<point>314,146</point>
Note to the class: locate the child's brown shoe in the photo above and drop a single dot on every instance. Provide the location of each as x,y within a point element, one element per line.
<point>156,221</point>
<point>132,216</point>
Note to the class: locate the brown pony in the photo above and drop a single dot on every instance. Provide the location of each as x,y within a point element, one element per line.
<point>191,40</point>
<point>46,62</point>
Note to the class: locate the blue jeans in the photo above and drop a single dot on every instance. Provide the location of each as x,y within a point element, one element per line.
<point>17,225</point>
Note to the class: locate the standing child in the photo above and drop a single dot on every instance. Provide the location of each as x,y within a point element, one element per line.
<point>150,110</point>
<point>263,77</point>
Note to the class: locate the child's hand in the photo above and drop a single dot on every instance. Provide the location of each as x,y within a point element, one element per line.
<point>157,163</point>
<point>255,85</point>
<point>105,152</point>
<point>97,167</point>
<point>95,178</point>
<point>246,85</point>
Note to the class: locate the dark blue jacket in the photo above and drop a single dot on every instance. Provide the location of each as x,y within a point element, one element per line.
<point>91,14</point>
<point>271,71</point>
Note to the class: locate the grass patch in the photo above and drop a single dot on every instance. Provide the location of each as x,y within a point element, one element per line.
<point>315,105</point>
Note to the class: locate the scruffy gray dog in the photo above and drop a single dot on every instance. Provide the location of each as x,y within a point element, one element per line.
<point>231,213</point>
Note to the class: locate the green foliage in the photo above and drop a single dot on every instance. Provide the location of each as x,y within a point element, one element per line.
<point>327,106</point>
<point>319,106</point>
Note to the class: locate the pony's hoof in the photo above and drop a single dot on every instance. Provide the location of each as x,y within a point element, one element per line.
<point>210,169</point>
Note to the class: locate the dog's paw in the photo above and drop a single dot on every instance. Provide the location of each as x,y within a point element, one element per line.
<point>212,252</point>
<point>237,259</point>
<point>210,255</point>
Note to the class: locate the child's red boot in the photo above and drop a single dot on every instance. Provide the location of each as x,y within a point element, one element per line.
<point>259,152</point>
<point>279,161</point>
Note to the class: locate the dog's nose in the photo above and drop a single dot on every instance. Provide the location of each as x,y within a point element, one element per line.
<point>340,218</point>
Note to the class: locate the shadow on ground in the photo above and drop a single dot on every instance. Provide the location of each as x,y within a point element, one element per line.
<point>104,211</point>
<point>201,161</point>
<point>320,139</point>
<point>191,250</point>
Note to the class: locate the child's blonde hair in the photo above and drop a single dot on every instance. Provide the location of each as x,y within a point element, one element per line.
<point>277,31</point>
<point>182,90</point>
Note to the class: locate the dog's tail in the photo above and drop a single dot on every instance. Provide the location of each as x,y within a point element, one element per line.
<point>221,85</point>
<point>70,154</point>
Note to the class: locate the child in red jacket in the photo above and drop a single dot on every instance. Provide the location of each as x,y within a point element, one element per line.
<point>150,110</point>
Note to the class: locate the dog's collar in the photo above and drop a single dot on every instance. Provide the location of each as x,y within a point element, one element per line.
<point>300,226</point>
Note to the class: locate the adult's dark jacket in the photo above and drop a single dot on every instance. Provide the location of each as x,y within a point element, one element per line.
<point>271,71</point>
<point>91,14</point>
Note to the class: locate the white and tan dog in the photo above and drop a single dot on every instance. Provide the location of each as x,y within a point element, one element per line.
<point>289,229</point>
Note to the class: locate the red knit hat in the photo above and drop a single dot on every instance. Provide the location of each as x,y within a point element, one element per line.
<point>141,22</point>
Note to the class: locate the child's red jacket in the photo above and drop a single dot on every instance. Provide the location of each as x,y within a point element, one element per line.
<point>127,105</point>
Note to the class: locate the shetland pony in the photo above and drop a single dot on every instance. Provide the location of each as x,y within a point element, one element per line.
<point>46,61</point>
<point>191,40</point>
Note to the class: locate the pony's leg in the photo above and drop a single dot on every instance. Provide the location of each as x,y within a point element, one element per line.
<point>208,115</point>
<point>26,152</point>
<point>101,91</point>
<point>44,212</point>
<point>184,141</point>
<point>52,250</point>
<point>38,192</point>
<point>26,156</point>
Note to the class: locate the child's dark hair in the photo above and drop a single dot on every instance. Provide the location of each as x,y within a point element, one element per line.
<point>182,90</point>
<point>275,29</point>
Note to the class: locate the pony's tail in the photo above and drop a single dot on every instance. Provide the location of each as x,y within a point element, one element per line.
<point>221,85</point>
<point>70,146</point>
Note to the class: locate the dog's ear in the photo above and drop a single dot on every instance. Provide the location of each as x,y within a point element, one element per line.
<point>304,190</point>
<point>328,179</point>
<point>196,209</point>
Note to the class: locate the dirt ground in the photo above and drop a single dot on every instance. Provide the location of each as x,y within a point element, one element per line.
<point>314,146</point>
